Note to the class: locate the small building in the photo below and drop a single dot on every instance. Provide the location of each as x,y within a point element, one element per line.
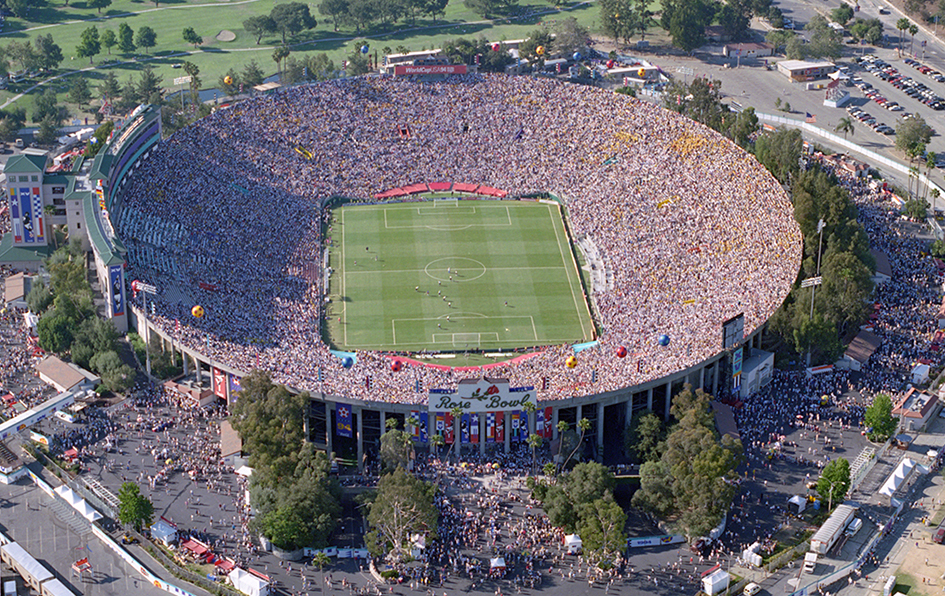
<point>848,164</point>
<point>756,372</point>
<point>836,97</point>
<point>248,583</point>
<point>164,531</point>
<point>11,467</point>
<point>16,289</point>
<point>31,570</point>
<point>716,582</point>
<point>231,446</point>
<point>860,350</point>
<point>747,51</point>
<point>65,376</point>
<point>800,71</point>
<point>915,408</point>
<point>883,268</point>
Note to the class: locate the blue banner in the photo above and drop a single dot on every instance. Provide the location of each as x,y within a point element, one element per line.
<point>464,429</point>
<point>422,435</point>
<point>25,215</point>
<point>235,388</point>
<point>343,421</point>
<point>118,295</point>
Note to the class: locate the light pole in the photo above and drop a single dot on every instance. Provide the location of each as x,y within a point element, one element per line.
<point>813,282</point>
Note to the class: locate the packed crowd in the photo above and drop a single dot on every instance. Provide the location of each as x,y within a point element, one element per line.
<point>662,212</point>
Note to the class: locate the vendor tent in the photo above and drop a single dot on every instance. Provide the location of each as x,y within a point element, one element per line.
<point>163,531</point>
<point>497,563</point>
<point>715,582</point>
<point>897,478</point>
<point>68,495</point>
<point>87,511</point>
<point>248,583</point>
<point>572,544</point>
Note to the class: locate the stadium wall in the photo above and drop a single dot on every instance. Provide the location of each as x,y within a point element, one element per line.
<point>608,412</point>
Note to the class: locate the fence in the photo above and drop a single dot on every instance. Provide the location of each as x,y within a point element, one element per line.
<point>872,156</point>
<point>783,558</point>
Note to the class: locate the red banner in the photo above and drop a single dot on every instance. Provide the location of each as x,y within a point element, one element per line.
<point>428,69</point>
<point>448,431</point>
<point>219,383</point>
<point>499,427</point>
<point>548,424</point>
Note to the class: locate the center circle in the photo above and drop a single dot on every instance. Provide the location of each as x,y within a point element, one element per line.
<point>460,269</point>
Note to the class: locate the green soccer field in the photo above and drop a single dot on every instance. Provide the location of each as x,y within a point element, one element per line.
<point>445,275</point>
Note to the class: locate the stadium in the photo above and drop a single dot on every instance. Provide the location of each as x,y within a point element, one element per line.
<point>383,241</point>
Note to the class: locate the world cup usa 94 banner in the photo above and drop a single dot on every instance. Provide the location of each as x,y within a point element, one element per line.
<point>482,395</point>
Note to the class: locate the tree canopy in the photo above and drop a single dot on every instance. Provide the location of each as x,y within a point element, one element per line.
<point>403,506</point>
<point>692,484</point>
<point>134,509</point>
<point>834,481</point>
<point>879,420</point>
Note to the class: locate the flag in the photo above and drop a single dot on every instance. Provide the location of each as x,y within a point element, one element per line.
<point>234,388</point>
<point>810,118</point>
<point>548,419</point>
<point>219,383</point>
<point>523,426</point>
<point>440,424</point>
<point>516,421</point>
<point>448,430</point>
<point>424,420</point>
<point>490,427</point>
<point>415,428</point>
<point>474,428</point>
<point>499,427</point>
<point>343,421</point>
<point>464,428</point>
<point>540,422</point>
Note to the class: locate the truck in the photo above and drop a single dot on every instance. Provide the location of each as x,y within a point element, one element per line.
<point>810,562</point>
<point>832,530</point>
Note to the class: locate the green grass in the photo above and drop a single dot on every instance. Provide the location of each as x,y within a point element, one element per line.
<point>215,58</point>
<point>514,280</point>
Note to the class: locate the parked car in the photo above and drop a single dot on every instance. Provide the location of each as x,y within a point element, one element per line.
<point>939,536</point>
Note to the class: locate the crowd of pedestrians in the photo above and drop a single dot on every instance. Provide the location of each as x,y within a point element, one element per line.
<point>690,228</point>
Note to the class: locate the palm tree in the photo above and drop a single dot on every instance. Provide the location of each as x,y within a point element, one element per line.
<point>534,441</point>
<point>457,413</point>
<point>901,25</point>
<point>845,126</point>
<point>930,159</point>
<point>935,195</point>
<point>913,29</point>
<point>584,425</point>
<point>562,428</point>
<point>436,440</point>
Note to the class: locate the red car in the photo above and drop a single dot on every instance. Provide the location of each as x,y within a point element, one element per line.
<point>939,536</point>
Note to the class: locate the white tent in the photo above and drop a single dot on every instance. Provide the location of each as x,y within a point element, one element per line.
<point>497,563</point>
<point>30,320</point>
<point>716,582</point>
<point>245,471</point>
<point>248,583</point>
<point>573,544</point>
<point>68,495</point>
<point>797,504</point>
<point>897,478</point>
<point>920,374</point>
<point>87,511</point>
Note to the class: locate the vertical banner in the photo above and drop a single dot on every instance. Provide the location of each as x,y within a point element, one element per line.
<point>440,424</point>
<point>490,427</point>
<point>118,294</point>
<point>523,425</point>
<point>474,428</point>
<point>26,215</point>
<point>15,217</point>
<point>448,430</point>
<point>540,423</point>
<point>464,428</point>
<point>219,383</point>
<point>516,421</point>
<point>424,421</point>
<point>499,427</point>
<point>343,421</point>
<point>414,429</point>
<point>234,388</point>
<point>38,231</point>
<point>548,423</point>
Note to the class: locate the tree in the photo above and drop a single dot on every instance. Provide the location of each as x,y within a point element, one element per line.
<point>126,43</point>
<point>564,500</point>
<point>744,125</point>
<point>190,36</point>
<point>134,509</point>
<point>686,20</point>
<point>55,332</point>
<point>109,40</point>
<point>775,17</point>
<point>434,7</point>
<point>916,209</point>
<point>780,153</point>
<point>403,507</point>
<point>845,126</point>
<point>901,25</point>
<point>100,4</point>
<point>334,10</point>
<point>842,14</point>
<point>193,71</point>
<point>358,64</point>
<point>252,75</point>
<point>149,86</point>
<point>39,297</point>
<point>834,482</point>
<point>396,446</point>
<point>268,418</point>
<point>643,436</point>
<point>601,527</point>
<point>79,91</point>
<point>539,38</point>
<point>146,38</point>
<point>735,17</point>
<point>21,8</point>
<point>878,419</point>
<point>847,287</point>
<point>869,29</point>
<point>292,18</point>
<point>619,19</point>
<point>484,8</point>
<point>258,26</point>
<point>824,40</point>
<point>911,132</point>
<point>913,29</point>
<point>49,51</point>
<point>89,44</point>
<point>570,36</point>
<point>48,130</point>
<point>534,442</point>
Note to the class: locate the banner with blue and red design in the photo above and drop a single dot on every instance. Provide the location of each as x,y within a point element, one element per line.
<point>499,427</point>
<point>474,428</point>
<point>464,429</point>
<point>343,421</point>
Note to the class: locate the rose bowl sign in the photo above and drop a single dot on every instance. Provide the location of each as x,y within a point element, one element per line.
<point>429,69</point>
<point>483,395</point>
